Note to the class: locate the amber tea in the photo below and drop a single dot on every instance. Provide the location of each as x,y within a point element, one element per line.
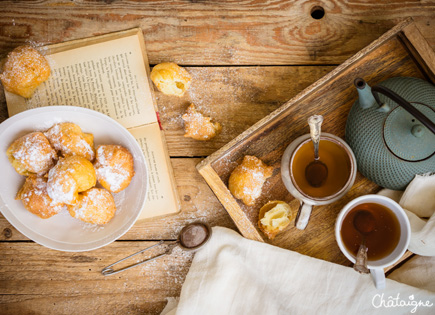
<point>381,241</point>
<point>333,155</point>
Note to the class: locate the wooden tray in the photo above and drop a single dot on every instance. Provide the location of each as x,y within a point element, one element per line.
<point>402,51</point>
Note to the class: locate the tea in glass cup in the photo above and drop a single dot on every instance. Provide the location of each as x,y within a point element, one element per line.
<point>338,162</point>
<point>341,165</point>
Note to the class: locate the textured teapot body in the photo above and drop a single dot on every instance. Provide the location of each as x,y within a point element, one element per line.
<point>389,144</point>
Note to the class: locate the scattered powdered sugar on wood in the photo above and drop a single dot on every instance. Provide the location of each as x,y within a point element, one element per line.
<point>39,45</point>
<point>170,268</point>
<point>170,118</point>
<point>201,100</point>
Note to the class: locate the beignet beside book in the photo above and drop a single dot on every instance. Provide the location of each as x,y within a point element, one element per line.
<point>110,74</point>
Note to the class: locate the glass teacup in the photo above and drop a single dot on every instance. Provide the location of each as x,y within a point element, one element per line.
<point>341,163</point>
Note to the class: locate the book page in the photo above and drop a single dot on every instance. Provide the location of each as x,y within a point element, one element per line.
<point>108,77</point>
<point>157,203</point>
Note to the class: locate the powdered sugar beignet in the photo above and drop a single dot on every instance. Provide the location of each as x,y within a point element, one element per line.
<point>31,154</point>
<point>170,78</point>
<point>70,176</point>
<point>35,198</point>
<point>69,139</point>
<point>198,126</point>
<point>24,70</point>
<point>114,165</point>
<point>247,179</point>
<point>95,206</point>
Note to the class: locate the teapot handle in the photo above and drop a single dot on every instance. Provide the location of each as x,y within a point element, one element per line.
<point>404,104</point>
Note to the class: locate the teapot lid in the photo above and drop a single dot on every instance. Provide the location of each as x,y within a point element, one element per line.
<point>406,137</point>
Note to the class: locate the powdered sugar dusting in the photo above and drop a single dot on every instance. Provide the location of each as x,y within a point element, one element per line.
<point>34,152</point>
<point>24,70</point>
<point>247,179</point>
<point>69,139</point>
<point>61,186</point>
<point>198,126</point>
<point>110,168</point>
<point>80,211</point>
<point>114,176</point>
<point>95,206</point>
<point>36,199</point>
<point>119,200</point>
<point>257,179</point>
<point>92,227</point>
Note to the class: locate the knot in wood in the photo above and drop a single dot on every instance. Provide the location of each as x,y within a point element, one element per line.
<point>7,233</point>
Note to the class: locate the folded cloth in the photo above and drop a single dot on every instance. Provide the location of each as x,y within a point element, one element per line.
<point>418,201</point>
<point>234,275</point>
<point>418,271</point>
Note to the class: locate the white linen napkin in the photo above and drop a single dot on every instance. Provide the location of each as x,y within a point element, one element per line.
<point>418,201</point>
<point>234,275</point>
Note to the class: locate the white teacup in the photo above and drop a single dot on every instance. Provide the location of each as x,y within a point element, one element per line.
<point>377,266</point>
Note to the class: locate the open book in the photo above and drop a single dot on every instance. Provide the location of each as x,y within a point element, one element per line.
<point>110,74</point>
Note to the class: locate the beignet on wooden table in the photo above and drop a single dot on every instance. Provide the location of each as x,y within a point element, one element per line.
<point>198,126</point>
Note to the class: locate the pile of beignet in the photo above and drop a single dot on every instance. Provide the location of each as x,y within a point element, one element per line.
<point>63,167</point>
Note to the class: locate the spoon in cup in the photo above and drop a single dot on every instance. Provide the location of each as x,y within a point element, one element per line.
<point>316,172</point>
<point>365,223</point>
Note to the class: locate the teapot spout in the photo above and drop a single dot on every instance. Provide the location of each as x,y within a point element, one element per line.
<point>366,99</point>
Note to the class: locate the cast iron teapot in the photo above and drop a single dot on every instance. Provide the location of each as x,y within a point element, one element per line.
<point>393,134</point>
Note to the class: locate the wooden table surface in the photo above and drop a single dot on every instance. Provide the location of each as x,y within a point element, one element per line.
<point>246,59</point>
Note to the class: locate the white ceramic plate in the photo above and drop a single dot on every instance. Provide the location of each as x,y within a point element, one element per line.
<point>63,232</point>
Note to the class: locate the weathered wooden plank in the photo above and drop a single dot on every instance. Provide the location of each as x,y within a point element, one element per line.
<point>218,32</point>
<point>43,281</point>
<point>197,203</point>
